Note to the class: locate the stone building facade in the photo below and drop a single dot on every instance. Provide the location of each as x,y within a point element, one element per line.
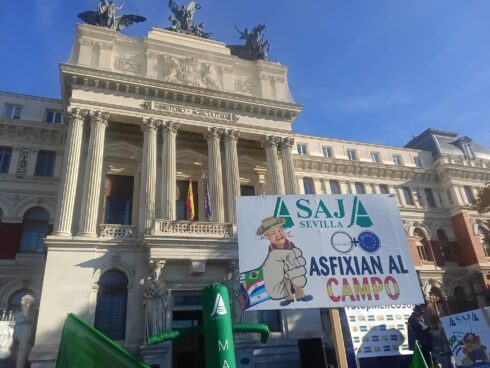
<point>143,118</point>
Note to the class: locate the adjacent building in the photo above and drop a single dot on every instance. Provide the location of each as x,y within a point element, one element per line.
<point>103,175</point>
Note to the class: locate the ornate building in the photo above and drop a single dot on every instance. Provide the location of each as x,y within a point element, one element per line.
<point>146,117</point>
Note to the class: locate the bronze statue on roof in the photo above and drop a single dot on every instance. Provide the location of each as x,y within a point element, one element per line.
<point>105,16</point>
<point>183,19</point>
<point>255,48</point>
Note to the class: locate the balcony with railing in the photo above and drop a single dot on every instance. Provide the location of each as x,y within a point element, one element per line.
<point>193,229</point>
<point>166,228</point>
<point>113,231</point>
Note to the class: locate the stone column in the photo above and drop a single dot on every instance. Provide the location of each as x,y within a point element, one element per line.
<point>148,176</point>
<point>326,186</point>
<point>69,177</point>
<point>215,176</point>
<point>169,167</point>
<point>393,190</point>
<point>232,172</point>
<point>93,175</point>
<point>288,165</point>
<point>317,186</point>
<point>401,196</point>
<point>438,198</point>
<point>270,144</point>
<point>418,201</point>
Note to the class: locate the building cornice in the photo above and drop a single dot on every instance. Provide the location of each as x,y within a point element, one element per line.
<point>362,169</point>
<point>141,87</point>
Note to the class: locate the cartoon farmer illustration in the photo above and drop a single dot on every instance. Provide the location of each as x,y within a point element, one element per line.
<point>283,271</point>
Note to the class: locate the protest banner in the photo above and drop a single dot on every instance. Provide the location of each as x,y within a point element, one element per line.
<point>379,331</point>
<point>468,335</point>
<point>323,251</point>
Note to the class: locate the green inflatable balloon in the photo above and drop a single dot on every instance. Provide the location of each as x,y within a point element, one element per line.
<point>218,333</point>
<point>217,329</point>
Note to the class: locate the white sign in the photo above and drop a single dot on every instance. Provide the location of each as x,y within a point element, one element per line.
<point>468,335</point>
<point>6,338</point>
<point>379,331</point>
<point>317,251</point>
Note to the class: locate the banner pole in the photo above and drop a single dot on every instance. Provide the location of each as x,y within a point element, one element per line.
<point>338,338</point>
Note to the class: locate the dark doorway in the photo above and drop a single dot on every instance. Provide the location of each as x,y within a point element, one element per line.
<point>188,351</point>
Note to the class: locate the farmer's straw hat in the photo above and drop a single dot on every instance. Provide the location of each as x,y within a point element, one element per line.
<point>269,223</point>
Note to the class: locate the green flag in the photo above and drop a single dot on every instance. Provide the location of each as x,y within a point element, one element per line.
<point>418,360</point>
<point>82,346</point>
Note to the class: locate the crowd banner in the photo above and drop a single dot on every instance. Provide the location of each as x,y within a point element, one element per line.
<point>468,335</point>
<point>379,331</point>
<point>323,251</point>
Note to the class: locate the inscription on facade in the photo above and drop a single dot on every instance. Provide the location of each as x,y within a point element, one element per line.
<point>198,113</point>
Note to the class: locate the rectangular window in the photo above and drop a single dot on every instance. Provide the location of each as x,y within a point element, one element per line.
<point>383,189</point>
<point>407,194</point>
<point>360,188</point>
<point>375,157</point>
<point>308,185</point>
<point>447,252</point>
<point>182,212</point>
<point>45,163</point>
<point>424,252</point>
<point>397,159</point>
<point>417,162</point>
<point>469,194</point>
<point>430,197</point>
<point>247,190</point>
<point>468,151</point>
<point>302,149</point>
<point>271,318</point>
<point>53,116</point>
<point>118,199</point>
<point>5,156</point>
<point>486,247</point>
<point>12,111</point>
<point>327,152</point>
<point>334,187</point>
<point>352,155</point>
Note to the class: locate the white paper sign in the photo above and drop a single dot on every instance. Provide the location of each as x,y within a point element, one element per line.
<point>6,338</point>
<point>317,251</point>
<point>468,335</point>
<point>379,331</point>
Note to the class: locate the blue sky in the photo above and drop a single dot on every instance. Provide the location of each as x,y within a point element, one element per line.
<point>369,70</point>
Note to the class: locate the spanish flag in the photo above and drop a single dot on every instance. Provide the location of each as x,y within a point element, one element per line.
<point>190,202</point>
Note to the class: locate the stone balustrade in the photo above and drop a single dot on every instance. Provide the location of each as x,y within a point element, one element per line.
<point>193,229</point>
<point>117,231</point>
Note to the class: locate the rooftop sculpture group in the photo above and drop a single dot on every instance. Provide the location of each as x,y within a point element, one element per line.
<point>182,21</point>
<point>105,16</point>
<point>255,48</point>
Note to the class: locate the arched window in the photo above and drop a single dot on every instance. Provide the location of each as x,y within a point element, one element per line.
<point>35,227</point>
<point>459,293</point>
<point>423,245</point>
<point>110,312</point>
<point>447,250</point>
<point>15,300</point>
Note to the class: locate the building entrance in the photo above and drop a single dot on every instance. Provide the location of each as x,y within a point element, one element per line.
<point>187,351</point>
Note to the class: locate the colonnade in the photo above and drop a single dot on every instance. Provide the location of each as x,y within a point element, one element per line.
<point>280,181</point>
